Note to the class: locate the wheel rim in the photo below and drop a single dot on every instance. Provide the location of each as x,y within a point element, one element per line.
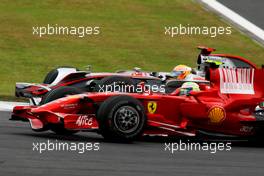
<point>126,119</point>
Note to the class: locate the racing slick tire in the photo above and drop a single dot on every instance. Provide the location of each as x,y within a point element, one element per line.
<point>111,83</point>
<point>52,75</point>
<point>59,93</point>
<point>56,94</point>
<point>121,118</point>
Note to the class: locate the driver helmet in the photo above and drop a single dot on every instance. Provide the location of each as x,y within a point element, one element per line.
<point>181,71</point>
<point>187,87</point>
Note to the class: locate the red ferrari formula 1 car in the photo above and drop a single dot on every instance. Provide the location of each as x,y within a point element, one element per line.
<point>225,107</point>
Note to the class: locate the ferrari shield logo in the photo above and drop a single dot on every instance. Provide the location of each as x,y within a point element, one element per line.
<point>152,107</point>
<point>216,114</point>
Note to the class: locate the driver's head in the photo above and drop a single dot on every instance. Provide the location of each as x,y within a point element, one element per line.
<point>181,71</point>
<point>187,87</point>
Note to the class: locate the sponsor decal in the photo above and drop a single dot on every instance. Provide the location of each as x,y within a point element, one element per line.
<point>236,81</point>
<point>152,107</point>
<point>216,114</point>
<point>73,96</point>
<point>214,58</point>
<point>246,129</point>
<point>69,106</point>
<point>139,74</point>
<point>84,120</point>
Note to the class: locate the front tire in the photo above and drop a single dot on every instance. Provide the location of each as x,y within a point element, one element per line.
<point>59,93</point>
<point>121,118</point>
<point>53,74</point>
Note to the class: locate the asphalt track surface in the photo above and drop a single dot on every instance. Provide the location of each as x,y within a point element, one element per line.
<point>145,157</point>
<point>252,10</point>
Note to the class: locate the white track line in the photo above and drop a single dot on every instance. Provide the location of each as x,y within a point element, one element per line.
<point>236,18</point>
<point>8,106</point>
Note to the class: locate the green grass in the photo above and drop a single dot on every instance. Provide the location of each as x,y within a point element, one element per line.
<point>132,34</point>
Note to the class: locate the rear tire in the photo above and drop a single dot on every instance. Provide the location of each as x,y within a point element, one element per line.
<point>121,118</point>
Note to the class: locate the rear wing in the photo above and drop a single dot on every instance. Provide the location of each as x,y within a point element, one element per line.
<point>206,50</point>
<point>239,82</point>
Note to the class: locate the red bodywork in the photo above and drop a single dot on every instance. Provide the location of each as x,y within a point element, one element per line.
<point>226,107</point>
